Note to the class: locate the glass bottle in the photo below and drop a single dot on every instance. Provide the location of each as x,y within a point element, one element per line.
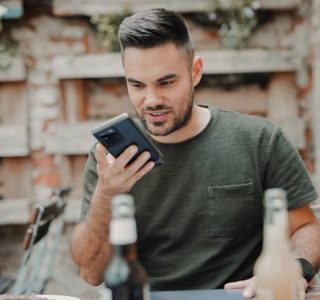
<point>276,270</point>
<point>125,277</point>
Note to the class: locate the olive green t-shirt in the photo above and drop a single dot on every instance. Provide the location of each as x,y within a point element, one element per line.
<point>200,215</point>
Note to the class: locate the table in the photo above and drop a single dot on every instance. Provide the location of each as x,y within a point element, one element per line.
<point>217,294</point>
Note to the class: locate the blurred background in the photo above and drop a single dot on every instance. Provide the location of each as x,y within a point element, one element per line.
<point>61,74</point>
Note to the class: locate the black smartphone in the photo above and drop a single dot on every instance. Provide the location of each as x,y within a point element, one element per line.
<point>120,132</point>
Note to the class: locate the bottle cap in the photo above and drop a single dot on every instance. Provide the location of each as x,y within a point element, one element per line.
<point>122,206</point>
<point>276,197</point>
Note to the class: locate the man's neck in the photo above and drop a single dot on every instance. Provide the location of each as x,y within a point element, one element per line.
<point>200,118</point>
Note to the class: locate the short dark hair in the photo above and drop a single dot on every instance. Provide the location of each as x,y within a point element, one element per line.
<point>154,27</point>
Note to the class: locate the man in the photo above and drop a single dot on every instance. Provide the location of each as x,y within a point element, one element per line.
<point>200,215</point>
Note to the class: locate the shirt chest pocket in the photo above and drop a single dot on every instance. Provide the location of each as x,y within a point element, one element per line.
<point>231,209</point>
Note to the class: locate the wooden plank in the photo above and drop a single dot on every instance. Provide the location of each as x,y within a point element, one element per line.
<point>71,169</point>
<point>247,99</point>
<point>283,108</point>
<point>97,7</point>
<point>64,169</point>
<point>13,103</point>
<point>100,65</point>
<point>15,211</point>
<point>108,65</point>
<point>77,163</point>
<point>18,211</point>
<point>295,129</point>
<point>247,61</point>
<point>14,140</point>
<point>283,99</point>
<point>16,72</point>
<point>70,139</point>
<point>275,33</point>
<point>73,210</point>
<point>15,177</point>
<point>107,98</point>
<point>74,100</point>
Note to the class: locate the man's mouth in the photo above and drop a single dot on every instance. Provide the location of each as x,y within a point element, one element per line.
<point>156,116</point>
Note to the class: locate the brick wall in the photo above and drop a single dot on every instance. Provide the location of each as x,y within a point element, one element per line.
<point>43,37</point>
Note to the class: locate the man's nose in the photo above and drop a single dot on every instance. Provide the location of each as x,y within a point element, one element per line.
<point>153,98</point>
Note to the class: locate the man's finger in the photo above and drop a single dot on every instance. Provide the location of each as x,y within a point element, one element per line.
<point>248,286</point>
<point>236,285</point>
<point>100,153</point>
<point>143,171</point>
<point>139,162</point>
<point>125,156</point>
<point>110,159</point>
<point>249,291</point>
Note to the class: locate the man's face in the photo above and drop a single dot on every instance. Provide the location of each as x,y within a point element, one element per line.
<point>160,86</point>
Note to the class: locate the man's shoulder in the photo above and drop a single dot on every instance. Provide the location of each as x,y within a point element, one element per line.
<point>91,159</point>
<point>244,122</point>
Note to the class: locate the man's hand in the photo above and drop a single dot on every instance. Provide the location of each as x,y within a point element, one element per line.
<point>249,287</point>
<point>115,176</point>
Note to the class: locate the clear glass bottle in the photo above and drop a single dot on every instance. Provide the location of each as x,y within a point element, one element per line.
<point>125,277</point>
<point>276,270</point>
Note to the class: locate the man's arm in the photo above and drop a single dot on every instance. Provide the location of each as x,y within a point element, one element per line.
<point>90,247</point>
<point>304,230</point>
<point>305,234</point>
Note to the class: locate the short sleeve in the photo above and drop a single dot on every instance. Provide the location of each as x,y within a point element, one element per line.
<point>285,168</point>
<point>90,182</point>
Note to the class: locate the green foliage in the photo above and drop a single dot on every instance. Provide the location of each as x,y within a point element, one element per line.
<point>8,51</point>
<point>239,19</point>
<point>3,10</point>
<point>107,27</point>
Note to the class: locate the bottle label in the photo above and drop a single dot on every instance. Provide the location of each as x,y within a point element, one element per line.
<point>146,292</point>
<point>268,294</point>
<point>123,231</point>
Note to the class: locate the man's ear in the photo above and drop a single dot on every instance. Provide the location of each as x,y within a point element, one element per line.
<point>196,70</point>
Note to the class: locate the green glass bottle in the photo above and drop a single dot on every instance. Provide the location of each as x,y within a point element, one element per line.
<point>125,277</point>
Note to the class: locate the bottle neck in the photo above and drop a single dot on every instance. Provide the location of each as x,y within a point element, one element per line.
<point>129,251</point>
<point>276,228</point>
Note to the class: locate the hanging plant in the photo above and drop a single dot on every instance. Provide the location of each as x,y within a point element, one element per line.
<point>237,20</point>
<point>8,51</point>
<point>8,48</point>
<point>107,27</point>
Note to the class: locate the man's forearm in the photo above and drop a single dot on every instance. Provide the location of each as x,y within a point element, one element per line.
<point>306,243</point>
<point>89,246</point>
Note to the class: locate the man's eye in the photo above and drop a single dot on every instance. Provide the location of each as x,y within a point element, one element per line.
<point>137,85</point>
<point>166,83</point>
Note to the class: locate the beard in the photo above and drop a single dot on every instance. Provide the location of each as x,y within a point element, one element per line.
<point>180,120</point>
